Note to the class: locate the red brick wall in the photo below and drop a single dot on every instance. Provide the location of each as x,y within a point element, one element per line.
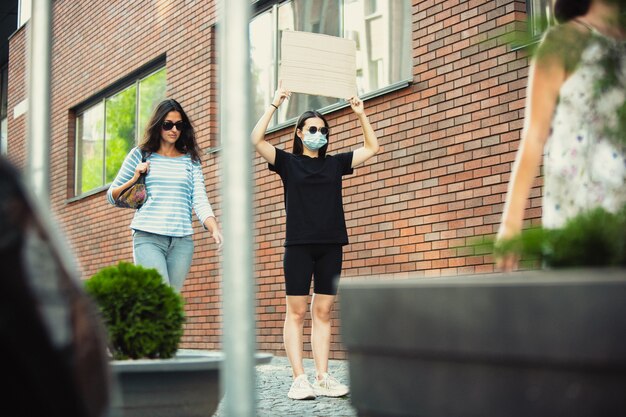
<point>16,129</point>
<point>448,141</point>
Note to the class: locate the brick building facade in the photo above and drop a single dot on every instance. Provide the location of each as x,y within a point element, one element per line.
<point>448,140</point>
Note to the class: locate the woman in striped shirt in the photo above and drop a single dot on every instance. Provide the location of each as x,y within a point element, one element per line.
<point>162,226</point>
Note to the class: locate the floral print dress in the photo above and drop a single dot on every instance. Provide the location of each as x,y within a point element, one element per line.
<point>584,166</point>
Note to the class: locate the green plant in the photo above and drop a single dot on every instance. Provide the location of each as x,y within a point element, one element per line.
<point>143,315</point>
<point>593,238</point>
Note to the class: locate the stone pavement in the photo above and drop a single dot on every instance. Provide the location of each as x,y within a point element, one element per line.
<point>274,380</point>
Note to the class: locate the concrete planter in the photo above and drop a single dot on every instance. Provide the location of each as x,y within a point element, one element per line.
<point>184,386</point>
<point>542,343</point>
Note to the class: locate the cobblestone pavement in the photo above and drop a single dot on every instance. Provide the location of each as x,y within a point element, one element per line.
<point>274,380</point>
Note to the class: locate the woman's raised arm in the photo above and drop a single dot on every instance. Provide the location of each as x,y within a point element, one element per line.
<point>264,148</point>
<point>370,141</point>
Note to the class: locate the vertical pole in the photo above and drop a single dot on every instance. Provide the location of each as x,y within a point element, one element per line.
<point>39,78</point>
<point>238,373</point>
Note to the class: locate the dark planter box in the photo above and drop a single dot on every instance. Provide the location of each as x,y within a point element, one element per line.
<point>184,386</point>
<point>542,343</point>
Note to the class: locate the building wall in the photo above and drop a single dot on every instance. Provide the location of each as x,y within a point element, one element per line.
<point>16,130</point>
<point>448,141</point>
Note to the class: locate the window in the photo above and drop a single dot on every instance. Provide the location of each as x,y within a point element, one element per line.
<point>540,16</point>
<point>3,136</point>
<point>380,28</point>
<point>4,85</point>
<point>107,130</point>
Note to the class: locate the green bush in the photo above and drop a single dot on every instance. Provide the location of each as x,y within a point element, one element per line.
<point>594,238</point>
<point>143,315</point>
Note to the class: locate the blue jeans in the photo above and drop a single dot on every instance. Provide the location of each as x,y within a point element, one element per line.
<point>171,256</point>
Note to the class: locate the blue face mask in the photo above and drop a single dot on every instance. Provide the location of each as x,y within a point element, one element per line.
<point>314,141</point>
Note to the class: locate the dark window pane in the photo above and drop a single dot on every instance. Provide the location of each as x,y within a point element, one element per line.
<point>4,91</point>
<point>3,109</point>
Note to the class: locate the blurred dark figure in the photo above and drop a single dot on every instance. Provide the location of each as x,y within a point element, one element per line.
<point>53,343</point>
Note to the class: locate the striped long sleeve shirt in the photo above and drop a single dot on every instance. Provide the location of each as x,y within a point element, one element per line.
<point>175,185</point>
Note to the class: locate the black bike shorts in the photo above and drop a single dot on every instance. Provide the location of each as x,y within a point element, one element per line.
<point>320,262</point>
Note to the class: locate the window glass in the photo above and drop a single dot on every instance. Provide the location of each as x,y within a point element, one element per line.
<point>380,28</point>
<point>90,133</point>
<point>107,131</point>
<point>539,16</point>
<point>3,110</point>
<point>381,32</point>
<point>120,129</point>
<point>151,92</point>
<point>262,61</point>
<point>3,136</point>
<point>4,90</point>
<point>317,16</point>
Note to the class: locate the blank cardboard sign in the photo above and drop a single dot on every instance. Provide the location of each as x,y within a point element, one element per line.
<point>318,64</point>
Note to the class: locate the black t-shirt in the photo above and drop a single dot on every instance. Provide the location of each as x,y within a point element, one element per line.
<point>313,200</point>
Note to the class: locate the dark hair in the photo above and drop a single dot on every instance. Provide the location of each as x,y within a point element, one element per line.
<point>565,10</point>
<point>186,143</point>
<point>298,147</point>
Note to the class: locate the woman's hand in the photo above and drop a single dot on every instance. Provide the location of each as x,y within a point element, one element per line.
<point>280,95</point>
<point>141,168</point>
<point>506,262</point>
<point>357,106</point>
<point>217,237</point>
<point>370,141</point>
<point>214,230</point>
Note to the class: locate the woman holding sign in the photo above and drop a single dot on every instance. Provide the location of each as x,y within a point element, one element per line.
<point>316,233</point>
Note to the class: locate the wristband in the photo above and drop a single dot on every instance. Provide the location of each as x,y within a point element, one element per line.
<point>272,104</point>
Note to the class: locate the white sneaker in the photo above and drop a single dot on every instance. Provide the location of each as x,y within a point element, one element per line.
<point>301,389</point>
<point>329,387</point>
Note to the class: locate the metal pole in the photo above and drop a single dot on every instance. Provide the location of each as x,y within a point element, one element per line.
<point>238,373</point>
<point>38,135</point>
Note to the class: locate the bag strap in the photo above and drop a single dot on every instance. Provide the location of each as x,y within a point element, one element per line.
<point>144,157</point>
<point>142,176</point>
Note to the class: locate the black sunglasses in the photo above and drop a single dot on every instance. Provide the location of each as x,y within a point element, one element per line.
<point>167,125</point>
<point>323,130</point>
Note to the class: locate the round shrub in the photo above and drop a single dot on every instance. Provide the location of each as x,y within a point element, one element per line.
<point>143,315</point>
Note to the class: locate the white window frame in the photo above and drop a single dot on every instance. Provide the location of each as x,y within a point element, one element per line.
<point>24,9</point>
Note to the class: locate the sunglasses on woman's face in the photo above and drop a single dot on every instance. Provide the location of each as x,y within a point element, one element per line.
<point>323,130</point>
<point>167,125</point>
